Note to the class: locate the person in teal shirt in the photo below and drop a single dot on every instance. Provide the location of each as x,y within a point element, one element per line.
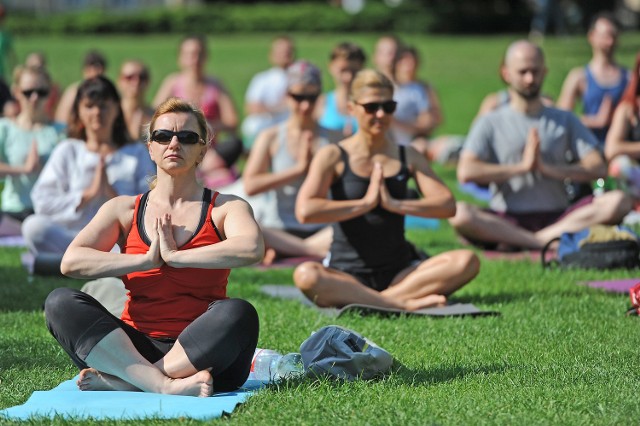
<point>25,144</point>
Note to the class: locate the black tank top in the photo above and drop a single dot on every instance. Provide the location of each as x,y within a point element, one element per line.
<point>375,240</point>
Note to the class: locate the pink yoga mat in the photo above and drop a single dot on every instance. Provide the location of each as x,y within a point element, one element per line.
<point>613,286</point>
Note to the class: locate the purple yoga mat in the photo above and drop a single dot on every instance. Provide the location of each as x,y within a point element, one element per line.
<point>614,286</point>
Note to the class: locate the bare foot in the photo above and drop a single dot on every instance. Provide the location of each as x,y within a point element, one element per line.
<point>93,380</point>
<point>430,301</point>
<point>200,384</point>
<point>269,257</point>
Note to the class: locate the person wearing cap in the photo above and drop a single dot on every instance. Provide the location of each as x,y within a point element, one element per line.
<point>359,185</point>
<point>280,159</point>
<point>93,65</point>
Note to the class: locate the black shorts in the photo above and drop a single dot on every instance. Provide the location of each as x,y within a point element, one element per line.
<point>381,278</point>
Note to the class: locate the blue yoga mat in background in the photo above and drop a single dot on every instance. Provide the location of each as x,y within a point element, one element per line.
<point>67,401</point>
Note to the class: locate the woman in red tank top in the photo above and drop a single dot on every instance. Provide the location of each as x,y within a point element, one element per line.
<point>179,333</point>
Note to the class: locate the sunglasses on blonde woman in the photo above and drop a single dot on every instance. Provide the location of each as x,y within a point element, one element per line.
<point>185,137</point>
<point>42,93</point>
<point>388,107</point>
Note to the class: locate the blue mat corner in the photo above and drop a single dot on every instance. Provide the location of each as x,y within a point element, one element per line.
<point>68,401</point>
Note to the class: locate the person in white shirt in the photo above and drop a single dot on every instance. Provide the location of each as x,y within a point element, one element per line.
<point>265,100</point>
<point>96,163</point>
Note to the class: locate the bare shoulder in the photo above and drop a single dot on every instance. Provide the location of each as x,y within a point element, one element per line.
<point>330,153</point>
<point>122,206</point>
<point>576,75</point>
<point>230,201</point>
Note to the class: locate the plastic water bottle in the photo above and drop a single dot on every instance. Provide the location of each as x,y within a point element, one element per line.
<point>271,366</point>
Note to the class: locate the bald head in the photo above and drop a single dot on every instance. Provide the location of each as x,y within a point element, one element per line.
<point>523,49</point>
<point>523,69</point>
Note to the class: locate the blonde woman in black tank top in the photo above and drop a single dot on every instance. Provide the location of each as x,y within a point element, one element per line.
<point>360,186</point>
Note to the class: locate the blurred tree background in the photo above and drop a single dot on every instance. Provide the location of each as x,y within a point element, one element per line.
<point>214,16</point>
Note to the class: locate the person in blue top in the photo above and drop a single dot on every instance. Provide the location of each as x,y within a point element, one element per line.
<point>345,60</point>
<point>25,144</point>
<point>601,83</point>
<point>360,186</point>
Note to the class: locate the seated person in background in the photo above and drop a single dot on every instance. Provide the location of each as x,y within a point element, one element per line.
<point>280,160</point>
<point>601,82</point>
<point>179,333</point>
<point>384,53</point>
<point>345,60</point>
<point>25,145</point>
<point>418,112</point>
<point>360,186</point>
<point>96,163</point>
<point>521,150</point>
<point>622,146</point>
<point>93,65</point>
<point>39,60</point>
<point>133,82</point>
<point>208,93</point>
<point>265,102</point>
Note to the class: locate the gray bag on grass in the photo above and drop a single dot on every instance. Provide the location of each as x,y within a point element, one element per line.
<point>340,353</point>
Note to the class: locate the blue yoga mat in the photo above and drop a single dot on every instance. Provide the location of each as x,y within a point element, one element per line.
<point>68,401</point>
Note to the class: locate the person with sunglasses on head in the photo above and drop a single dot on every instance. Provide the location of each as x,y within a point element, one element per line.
<point>98,161</point>
<point>25,144</point>
<point>179,332</point>
<point>345,60</point>
<point>280,159</point>
<point>133,82</point>
<point>192,84</point>
<point>360,186</point>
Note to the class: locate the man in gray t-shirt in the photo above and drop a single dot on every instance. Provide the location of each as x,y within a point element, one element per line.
<point>525,151</point>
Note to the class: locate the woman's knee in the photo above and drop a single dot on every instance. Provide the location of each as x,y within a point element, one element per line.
<point>467,263</point>
<point>64,306</point>
<point>307,275</point>
<point>59,301</point>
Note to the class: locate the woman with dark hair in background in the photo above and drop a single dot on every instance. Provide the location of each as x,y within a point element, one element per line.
<point>97,162</point>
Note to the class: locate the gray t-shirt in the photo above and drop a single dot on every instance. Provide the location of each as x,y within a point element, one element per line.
<point>500,137</point>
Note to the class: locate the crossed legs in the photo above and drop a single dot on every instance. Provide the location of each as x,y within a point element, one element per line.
<point>476,224</point>
<point>218,346</point>
<point>420,286</point>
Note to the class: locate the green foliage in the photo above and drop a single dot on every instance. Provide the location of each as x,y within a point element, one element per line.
<point>411,16</point>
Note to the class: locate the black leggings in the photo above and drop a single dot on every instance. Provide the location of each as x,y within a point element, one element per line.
<point>223,338</point>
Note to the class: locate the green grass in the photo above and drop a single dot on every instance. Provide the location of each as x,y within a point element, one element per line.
<point>560,353</point>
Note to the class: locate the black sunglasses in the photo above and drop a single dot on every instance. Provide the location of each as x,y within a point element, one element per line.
<point>42,93</point>
<point>136,76</point>
<point>301,98</point>
<point>185,137</point>
<point>388,107</point>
